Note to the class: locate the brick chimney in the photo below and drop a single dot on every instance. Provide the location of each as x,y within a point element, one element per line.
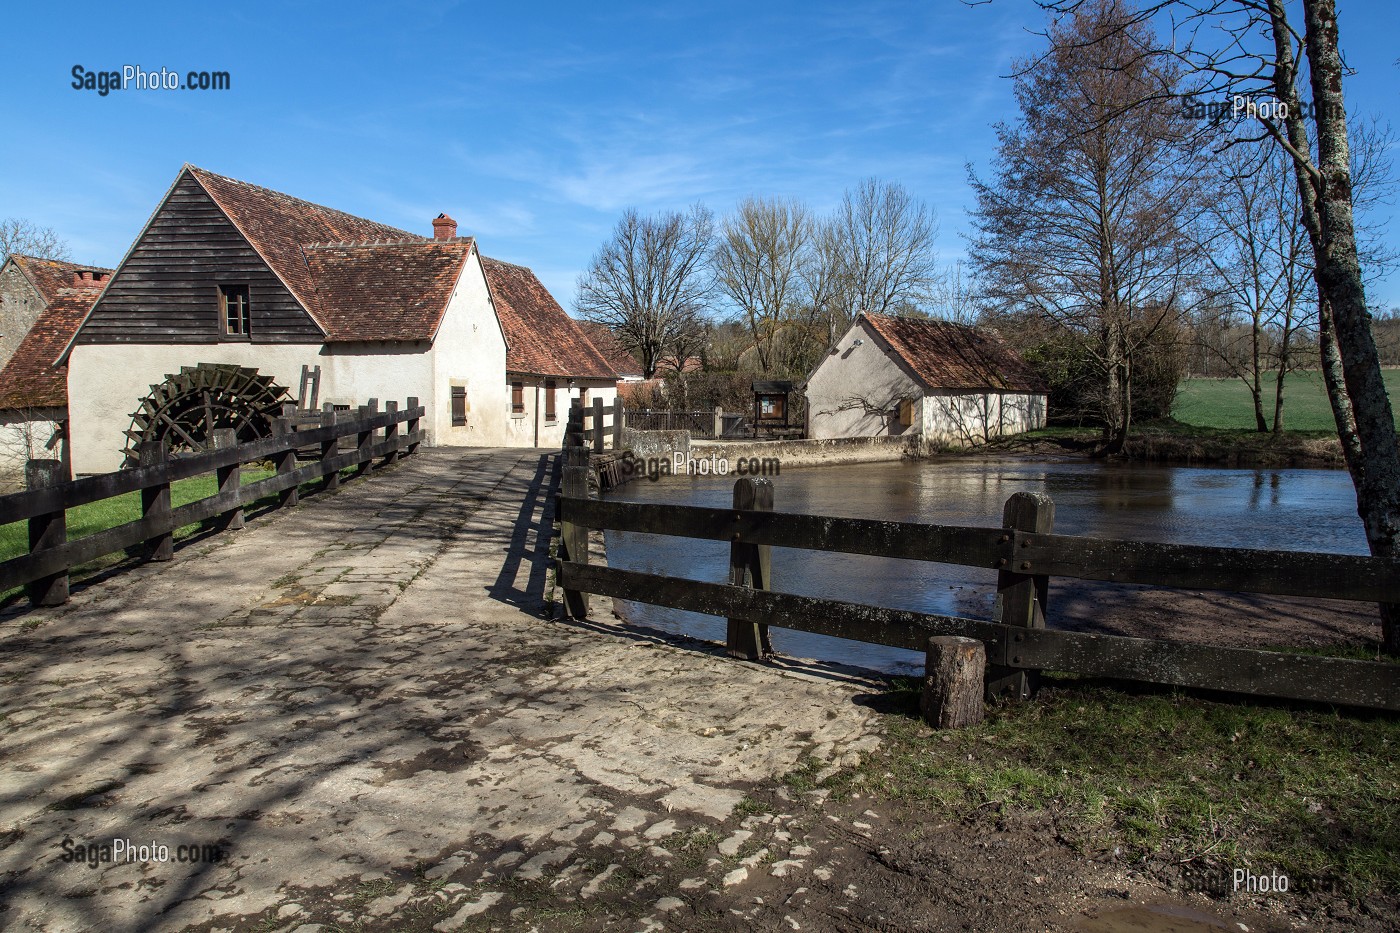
<point>86,278</point>
<point>444,227</point>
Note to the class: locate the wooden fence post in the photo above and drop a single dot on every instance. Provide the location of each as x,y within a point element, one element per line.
<point>412,428</point>
<point>573,433</point>
<point>597,425</point>
<point>230,478</point>
<point>954,669</point>
<point>46,531</point>
<point>1022,594</point>
<point>574,538</point>
<point>155,503</point>
<point>750,565</point>
<point>391,431</point>
<point>330,448</point>
<point>719,423</point>
<point>366,440</point>
<point>618,423</point>
<point>286,461</point>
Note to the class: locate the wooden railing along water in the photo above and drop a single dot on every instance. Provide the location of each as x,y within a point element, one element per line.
<point>1025,552</point>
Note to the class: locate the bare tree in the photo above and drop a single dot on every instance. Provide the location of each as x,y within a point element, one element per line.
<point>648,282</point>
<point>1257,51</point>
<point>1262,272</point>
<point>955,296</point>
<point>1086,220</point>
<point>18,235</point>
<point>880,248</point>
<point>759,261</point>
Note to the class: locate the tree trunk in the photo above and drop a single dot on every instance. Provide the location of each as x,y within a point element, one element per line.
<point>1339,282</point>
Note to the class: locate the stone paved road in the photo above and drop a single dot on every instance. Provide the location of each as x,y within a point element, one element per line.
<point>365,703</point>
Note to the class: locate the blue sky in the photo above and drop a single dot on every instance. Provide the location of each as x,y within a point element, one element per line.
<point>532,124</point>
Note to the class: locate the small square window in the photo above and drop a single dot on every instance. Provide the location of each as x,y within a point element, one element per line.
<point>234,310</point>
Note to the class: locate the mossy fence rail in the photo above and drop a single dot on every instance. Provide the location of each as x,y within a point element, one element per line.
<point>1025,553</point>
<point>377,437</point>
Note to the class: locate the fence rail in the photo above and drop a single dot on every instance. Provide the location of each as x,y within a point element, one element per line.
<point>1026,553</point>
<point>45,568</point>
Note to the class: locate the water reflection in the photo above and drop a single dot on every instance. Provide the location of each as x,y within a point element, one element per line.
<point>1291,509</point>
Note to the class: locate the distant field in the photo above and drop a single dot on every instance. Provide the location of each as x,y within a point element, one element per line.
<point>1225,403</point>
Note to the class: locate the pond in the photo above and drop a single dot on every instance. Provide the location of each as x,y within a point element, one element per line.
<point>1290,509</point>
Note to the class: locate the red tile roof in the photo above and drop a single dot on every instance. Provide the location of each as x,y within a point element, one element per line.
<point>280,226</point>
<point>610,348</point>
<point>943,355</point>
<point>385,291</point>
<point>30,379</point>
<point>52,276</point>
<point>540,338</point>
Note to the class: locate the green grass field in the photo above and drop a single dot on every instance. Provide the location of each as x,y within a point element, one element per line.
<point>108,513</point>
<point>1225,403</point>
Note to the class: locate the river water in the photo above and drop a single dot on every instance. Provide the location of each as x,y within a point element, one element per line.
<point>1290,509</point>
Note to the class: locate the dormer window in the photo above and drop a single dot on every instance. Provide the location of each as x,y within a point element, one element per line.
<point>234,310</point>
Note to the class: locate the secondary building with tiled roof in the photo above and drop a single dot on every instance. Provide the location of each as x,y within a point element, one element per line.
<point>42,301</point>
<point>234,275</point>
<point>622,362</point>
<point>949,383</point>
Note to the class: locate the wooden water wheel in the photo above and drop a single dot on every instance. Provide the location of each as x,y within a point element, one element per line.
<point>186,409</point>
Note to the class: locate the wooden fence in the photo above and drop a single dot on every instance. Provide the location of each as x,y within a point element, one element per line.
<point>377,436</point>
<point>1024,551</point>
<point>596,426</point>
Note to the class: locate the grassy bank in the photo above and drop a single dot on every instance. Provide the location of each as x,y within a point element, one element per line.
<point>1226,404</point>
<point>1173,442</point>
<point>1187,788</point>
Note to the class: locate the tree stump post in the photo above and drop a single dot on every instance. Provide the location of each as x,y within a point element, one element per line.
<point>1023,593</point>
<point>47,531</point>
<point>286,461</point>
<point>573,539</point>
<point>750,565</point>
<point>155,504</point>
<point>954,668</point>
<point>230,479</point>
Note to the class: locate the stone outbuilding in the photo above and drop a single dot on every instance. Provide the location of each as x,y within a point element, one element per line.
<point>948,383</point>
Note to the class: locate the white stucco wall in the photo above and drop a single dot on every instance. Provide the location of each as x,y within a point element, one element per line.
<point>530,428</point>
<point>856,390</point>
<point>968,418</point>
<point>27,434</point>
<point>106,382</point>
<point>470,351</point>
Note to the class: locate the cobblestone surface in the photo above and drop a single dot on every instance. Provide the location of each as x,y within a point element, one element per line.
<point>365,703</point>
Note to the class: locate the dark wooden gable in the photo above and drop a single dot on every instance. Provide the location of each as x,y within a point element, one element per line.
<point>167,290</point>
